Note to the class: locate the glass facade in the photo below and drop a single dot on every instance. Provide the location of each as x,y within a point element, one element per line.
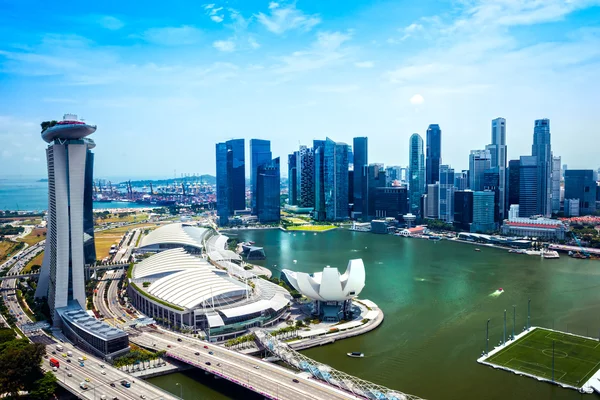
<point>335,179</point>
<point>391,202</point>
<point>434,153</point>
<point>483,212</point>
<point>319,211</point>
<point>260,153</point>
<point>497,150</point>
<point>89,247</point>
<point>491,182</point>
<point>528,187</point>
<point>463,209</point>
<point>361,161</point>
<point>479,161</point>
<point>268,201</point>
<point>292,179</point>
<point>581,184</point>
<point>446,196</point>
<point>556,178</point>
<point>416,173</point>
<point>513,182</point>
<point>375,178</point>
<point>542,150</point>
<point>231,178</point>
<point>306,177</point>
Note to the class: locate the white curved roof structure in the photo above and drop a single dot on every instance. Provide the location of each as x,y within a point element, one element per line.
<point>330,285</point>
<point>187,281</point>
<point>216,248</point>
<point>178,234</point>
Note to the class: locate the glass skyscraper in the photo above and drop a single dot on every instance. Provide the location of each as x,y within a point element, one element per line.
<point>514,167</point>
<point>319,160</point>
<point>479,161</point>
<point>268,201</point>
<point>417,173</point>
<point>335,180</point>
<point>231,179</point>
<point>89,245</point>
<point>361,161</point>
<point>528,186</point>
<point>581,184</point>
<point>446,196</point>
<point>374,179</point>
<point>306,177</point>
<point>542,150</point>
<point>556,178</point>
<point>292,179</point>
<point>497,150</point>
<point>260,153</point>
<point>434,153</point>
<point>483,211</point>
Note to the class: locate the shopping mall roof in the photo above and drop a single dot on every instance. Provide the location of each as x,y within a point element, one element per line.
<point>175,234</point>
<point>81,319</point>
<point>186,280</point>
<point>216,248</point>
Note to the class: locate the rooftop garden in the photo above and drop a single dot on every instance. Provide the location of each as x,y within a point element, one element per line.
<point>48,124</point>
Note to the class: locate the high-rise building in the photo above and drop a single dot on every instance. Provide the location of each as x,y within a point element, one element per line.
<point>479,161</point>
<point>375,178</point>
<point>514,172</point>
<point>556,178</point>
<point>391,202</point>
<point>260,153</point>
<point>434,153</point>
<point>528,187</point>
<point>581,184</point>
<point>542,150</point>
<point>89,245</point>
<point>393,173</point>
<point>433,200</point>
<point>361,161</point>
<point>463,209</point>
<point>497,150</point>
<point>416,174</point>
<point>461,180</point>
<point>335,177</point>
<point>319,151</point>
<point>306,177</point>
<point>483,211</point>
<point>293,179</point>
<point>446,195</point>
<point>231,178</point>
<point>268,203</point>
<point>491,182</point>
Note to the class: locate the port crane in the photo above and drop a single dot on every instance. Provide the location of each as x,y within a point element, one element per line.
<point>581,248</point>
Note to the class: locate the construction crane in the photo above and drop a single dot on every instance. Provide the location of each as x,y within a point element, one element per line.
<point>583,250</point>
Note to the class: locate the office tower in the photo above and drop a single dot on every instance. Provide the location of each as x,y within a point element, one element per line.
<point>581,184</point>
<point>351,186</point>
<point>497,150</point>
<point>231,181</point>
<point>461,180</point>
<point>556,178</point>
<point>479,161</point>
<point>433,200</point>
<point>483,211</point>
<point>393,173</point>
<point>446,195</point>
<point>542,150</point>
<point>62,277</point>
<point>319,158</point>
<point>571,207</point>
<point>514,172</point>
<point>361,161</point>
<point>491,182</point>
<point>391,202</point>
<point>434,153</point>
<point>89,245</point>
<point>260,153</point>
<point>306,177</point>
<point>350,155</point>
<point>416,173</point>
<point>528,187</point>
<point>268,201</point>
<point>335,179</point>
<point>375,178</point>
<point>292,179</point>
<point>463,209</point>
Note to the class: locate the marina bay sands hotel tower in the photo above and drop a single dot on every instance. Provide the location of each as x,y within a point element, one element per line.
<point>69,241</point>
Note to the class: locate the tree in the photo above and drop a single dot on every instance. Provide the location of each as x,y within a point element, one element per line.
<point>44,387</point>
<point>20,365</point>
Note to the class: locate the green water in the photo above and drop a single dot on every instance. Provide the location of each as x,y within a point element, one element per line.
<point>436,298</point>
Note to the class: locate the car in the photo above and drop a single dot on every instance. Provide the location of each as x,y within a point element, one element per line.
<point>205,346</point>
<point>112,384</point>
<point>169,345</point>
<point>45,355</point>
<point>103,372</point>
<point>142,396</point>
<point>115,398</point>
<point>295,380</point>
<point>211,353</point>
<point>101,365</point>
<point>87,379</point>
<point>68,360</point>
<point>196,353</point>
<point>69,374</point>
<point>207,363</point>
<point>64,355</point>
<point>53,352</point>
<point>84,357</point>
<point>67,368</point>
<point>179,339</point>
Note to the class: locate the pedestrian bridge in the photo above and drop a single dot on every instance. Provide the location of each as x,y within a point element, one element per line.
<point>341,380</point>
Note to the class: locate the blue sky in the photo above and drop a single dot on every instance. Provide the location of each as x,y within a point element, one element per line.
<point>165,81</point>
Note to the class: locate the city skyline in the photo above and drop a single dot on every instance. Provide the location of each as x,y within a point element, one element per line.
<point>301,70</point>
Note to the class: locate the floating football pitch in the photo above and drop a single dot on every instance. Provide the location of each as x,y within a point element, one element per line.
<point>576,358</point>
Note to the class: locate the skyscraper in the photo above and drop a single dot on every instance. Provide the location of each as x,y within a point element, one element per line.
<point>89,245</point>
<point>433,200</point>
<point>461,180</point>
<point>391,202</point>
<point>479,161</point>
<point>335,179</point>
<point>375,178</point>
<point>556,178</point>
<point>417,173</point>
<point>463,209</point>
<point>292,179</point>
<point>491,182</point>
<point>446,195</point>
<point>542,150</point>
<point>319,150</point>
<point>231,180</point>
<point>268,192</point>
<point>528,187</point>
<point>434,153</point>
<point>497,150</point>
<point>514,167</point>
<point>306,177</point>
<point>260,153</point>
<point>392,173</point>
<point>581,184</point>
<point>483,211</point>
<point>361,161</point>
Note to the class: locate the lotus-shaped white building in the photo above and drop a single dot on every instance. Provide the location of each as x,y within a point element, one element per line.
<point>333,292</point>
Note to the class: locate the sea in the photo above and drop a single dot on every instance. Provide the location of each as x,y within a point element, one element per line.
<point>31,194</point>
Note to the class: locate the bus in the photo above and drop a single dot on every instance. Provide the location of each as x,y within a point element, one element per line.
<point>54,362</point>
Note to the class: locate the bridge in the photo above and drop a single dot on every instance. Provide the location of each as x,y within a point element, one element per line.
<point>341,380</point>
<point>88,271</point>
<point>575,249</point>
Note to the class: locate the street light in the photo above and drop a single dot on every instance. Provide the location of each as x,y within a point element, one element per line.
<point>487,338</point>
<point>180,389</point>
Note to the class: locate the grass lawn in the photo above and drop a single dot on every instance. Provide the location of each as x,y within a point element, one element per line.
<point>575,359</point>
<point>37,260</point>
<point>311,228</point>
<point>294,220</point>
<point>128,218</point>
<point>105,239</point>
<point>36,235</point>
<point>6,249</point>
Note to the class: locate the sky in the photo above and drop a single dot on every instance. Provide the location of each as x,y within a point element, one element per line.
<point>165,81</point>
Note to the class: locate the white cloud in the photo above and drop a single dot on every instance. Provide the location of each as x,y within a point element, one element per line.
<point>253,43</point>
<point>173,36</point>
<point>334,88</point>
<point>417,99</point>
<point>6,154</point>
<point>224,45</point>
<point>287,18</point>
<point>29,159</point>
<point>217,18</point>
<point>111,23</point>
<point>364,64</point>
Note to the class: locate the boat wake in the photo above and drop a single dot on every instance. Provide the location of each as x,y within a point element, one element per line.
<point>497,293</point>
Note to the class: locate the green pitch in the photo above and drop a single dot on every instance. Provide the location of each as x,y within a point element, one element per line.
<point>575,359</point>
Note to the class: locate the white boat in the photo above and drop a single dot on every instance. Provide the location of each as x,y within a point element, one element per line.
<point>550,254</point>
<point>355,354</point>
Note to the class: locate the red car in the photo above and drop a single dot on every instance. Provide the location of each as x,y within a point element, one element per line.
<point>168,345</point>
<point>206,347</point>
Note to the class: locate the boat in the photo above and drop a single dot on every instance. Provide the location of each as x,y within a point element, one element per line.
<point>435,238</point>
<point>500,290</point>
<point>478,249</point>
<point>295,261</point>
<point>355,354</point>
<point>551,254</point>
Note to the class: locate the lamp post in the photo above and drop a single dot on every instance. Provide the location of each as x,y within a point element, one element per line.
<point>180,390</point>
<point>528,314</point>
<point>487,338</point>
<point>504,337</point>
<point>514,320</point>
